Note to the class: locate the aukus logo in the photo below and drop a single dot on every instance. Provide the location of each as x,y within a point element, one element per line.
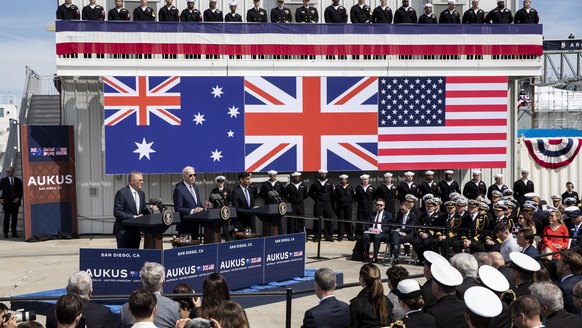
<point>50,180</point>
<point>232,263</point>
<point>182,271</point>
<point>277,256</point>
<point>107,273</point>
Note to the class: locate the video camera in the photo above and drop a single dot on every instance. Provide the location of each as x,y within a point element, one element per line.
<point>21,316</point>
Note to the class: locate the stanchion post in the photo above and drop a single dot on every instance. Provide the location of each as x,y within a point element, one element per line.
<point>288,308</point>
<point>446,243</point>
<point>320,219</point>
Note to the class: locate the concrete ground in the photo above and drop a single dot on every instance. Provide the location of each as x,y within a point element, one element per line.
<point>32,267</point>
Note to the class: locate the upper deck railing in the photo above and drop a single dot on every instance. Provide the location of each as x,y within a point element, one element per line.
<point>82,45</point>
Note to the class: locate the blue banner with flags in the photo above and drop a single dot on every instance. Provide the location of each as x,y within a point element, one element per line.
<point>189,265</point>
<point>284,256</point>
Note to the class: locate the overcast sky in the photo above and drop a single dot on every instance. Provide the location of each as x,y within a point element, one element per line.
<point>24,41</point>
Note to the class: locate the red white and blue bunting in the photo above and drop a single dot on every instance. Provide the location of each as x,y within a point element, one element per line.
<point>553,153</point>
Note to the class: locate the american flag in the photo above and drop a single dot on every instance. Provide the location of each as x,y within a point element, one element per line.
<point>308,123</point>
<point>442,122</point>
<point>61,151</point>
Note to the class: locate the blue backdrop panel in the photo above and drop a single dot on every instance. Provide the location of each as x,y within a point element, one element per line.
<point>284,257</point>
<point>189,265</point>
<point>241,262</point>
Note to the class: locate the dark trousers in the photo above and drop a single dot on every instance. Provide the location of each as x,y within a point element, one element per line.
<point>345,213</point>
<point>10,211</point>
<point>327,213</point>
<point>376,239</point>
<point>397,239</point>
<point>295,225</point>
<point>362,215</point>
<point>124,243</point>
<point>420,245</point>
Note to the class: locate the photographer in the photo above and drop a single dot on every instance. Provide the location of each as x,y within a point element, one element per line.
<point>4,322</point>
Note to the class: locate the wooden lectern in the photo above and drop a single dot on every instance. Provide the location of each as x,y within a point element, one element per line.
<point>270,215</point>
<point>153,226</point>
<point>211,220</point>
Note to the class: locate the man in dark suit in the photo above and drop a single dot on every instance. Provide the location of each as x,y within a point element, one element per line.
<point>95,314</point>
<point>402,234</point>
<point>376,230</point>
<point>129,203</point>
<point>525,239</point>
<point>552,307</point>
<point>575,228</point>
<point>330,312</point>
<point>522,187</point>
<point>569,269</point>
<point>243,197</point>
<point>12,192</point>
<point>187,201</point>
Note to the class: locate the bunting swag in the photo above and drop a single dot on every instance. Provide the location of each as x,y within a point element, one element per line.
<point>553,153</point>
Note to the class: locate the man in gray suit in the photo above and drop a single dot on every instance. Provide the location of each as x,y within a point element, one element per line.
<point>168,311</point>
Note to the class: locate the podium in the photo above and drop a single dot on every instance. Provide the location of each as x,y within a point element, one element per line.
<point>269,215</point>
<point>211,220</point>
<point>153,226</point>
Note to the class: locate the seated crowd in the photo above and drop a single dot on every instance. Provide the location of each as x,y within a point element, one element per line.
<point>335,13</point>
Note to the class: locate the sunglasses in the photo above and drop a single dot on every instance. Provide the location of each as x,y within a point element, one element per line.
<point>192,175</point>
<point>379,204</point>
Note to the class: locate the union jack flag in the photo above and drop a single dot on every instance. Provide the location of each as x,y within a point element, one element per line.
<point>140,96</point>
<point>308,123</point>
<point>48,151</point>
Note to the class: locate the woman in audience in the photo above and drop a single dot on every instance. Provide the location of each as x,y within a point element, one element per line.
<point>410,298</point>
<point>231,315</point>
<point>395,275</point>
<point>214,292</point>
<point>371,308</point>
<point>188,305</point>
<point>526,222</point>
<point>554,235</point>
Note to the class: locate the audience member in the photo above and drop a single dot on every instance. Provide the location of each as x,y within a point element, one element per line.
<point>29,324</point>
<point>467,265</point>
<point>396,274</point>
<point>231,315</point>
<point>482,307</point>
<point>555,234</point>
<point>143,307</point>
<point>6,323</point>
<point>430,258</point>
<point>525,312</point>
<point>168,311</point>
<point>552,306</point>
<point>522,271</point>
<point>214,292</point>
<point>577,297</point>
<point>409,296</point>
<point>508,244</point>
<point>575,229</point>
<point>498,263</point>
<point>569,269</point>
<point>330,312</point>
<point>69,311</point>
<point>370,308</point>
<point>492,279</point>
<point>188,305</point>
<point>94,314</point>
<point>525,240</point>
<point>449,310</point>
<point>483,258</point>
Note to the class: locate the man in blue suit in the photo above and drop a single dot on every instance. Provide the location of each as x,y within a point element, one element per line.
<point>243,197</point>
<point>187,201</point>
<point>129,203</point>
<point>569,269</point>
<point>376,231</point>
<point>525,239</point>
<point>330,312</point>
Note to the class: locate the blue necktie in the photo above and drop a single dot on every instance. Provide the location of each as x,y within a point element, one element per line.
<point>248,197</point>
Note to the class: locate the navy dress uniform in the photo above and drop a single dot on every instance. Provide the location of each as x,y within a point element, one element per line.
<point>169,14</point>
<point>295,192</point>
<point>424,237</point>
<point>321,191</point>
<point>449,311</point>
<point>344,197</point>
<point>306,14</point>
<point>447,186</point>
<point>474,16</point>
<point>144,14</point>
<point>450,15</point>
<point>364,196</point>
<point>526,16</point>
<point>281,14</point>
<point>526,264</point>
<point>474,189</point>
<point>213,15</point>
<point>387,192</point>
<point>256,14</point>
<point>522,187</point>
<point>406,187</point>
<point>501,188</point>
<point>225,193</point>
<point>499,15</point>
<point>118,14</point>
<point>405,14</point>
<point>95,12</point>
<point>360,14</point>
<point>428,186</point>
<point>409,289</point>
<point>382,15</point>
<point>335,13</point>
<point>271,185</point>
<point>68,12</point>
<point>483,304</point>
<point>427,17</point>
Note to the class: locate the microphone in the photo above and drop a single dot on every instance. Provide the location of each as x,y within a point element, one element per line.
<point>158,202</point>
<point>216,200</point>
<point>274,195</point>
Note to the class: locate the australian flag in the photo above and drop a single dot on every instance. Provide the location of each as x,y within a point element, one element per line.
<point>162,124</point>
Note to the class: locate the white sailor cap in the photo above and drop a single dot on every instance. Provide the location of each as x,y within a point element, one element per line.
<point>524,262</point>
<point>570,200</point>
<point>343,176</point>
<point>493,278</point>
<point>232,4</point>
<point>556,197</point>
<point>483,302</point>
<point>449,172</point>
<point>364,176</point>
<point>528,207</point>
<point>429,172</point>
<point>408,174</point>
<point>220,177</point>
<point>570,209</point>
<point>212,0</point>
<point>446,274</point>
<point>433,257</point>
<point>509,204</point>
<point>524,170</point>
<point>190,0</point>
<point>428,5</point>
<point>408,289</point>
<point>272,172</point>
<point>531,202</point>
<point>476,172</point>
<point>437,200</point>
<point>496,193</point>
<point>498,175</point>
<point>550,208</point>
<point>454,194</point>
<point>322,171</point>
<point>461,202</point>
<point>452,1</point>
<point>483,200</point>
<point>530,195</point>
<point>484,206</point>
<point>508,191</point>
<point>410,198</point>
<point>388,175</point>
<point>427,196</point>
<point>498,1</point>
<point>296,174</point>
